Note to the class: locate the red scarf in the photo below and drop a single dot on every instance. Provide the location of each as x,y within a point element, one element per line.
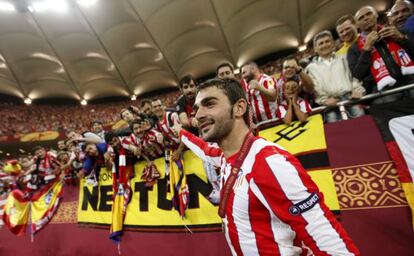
<point>121,171</point>
<point>45,164</point>
<point>378,68</point>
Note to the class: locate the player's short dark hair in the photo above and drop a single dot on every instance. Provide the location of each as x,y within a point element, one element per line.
<point>61,153</point>
<point>84,145</point>
<point>143,102</point>
<point>320,35</point>
<point>291,57</point>
<point>231,88</point>
<point>122,111</point>
<point>36,148</point>
<point>186,80</point>
<point>251,63</point>
<point>96,122</point>
<point>344,18</point>
<point>225,64</point>
<point>292,79</point>
<point>136,121</point>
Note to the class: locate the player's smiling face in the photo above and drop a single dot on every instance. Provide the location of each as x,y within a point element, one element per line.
<point>214,114</point>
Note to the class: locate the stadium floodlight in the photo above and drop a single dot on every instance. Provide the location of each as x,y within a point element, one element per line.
<point>87,3</point>
<point>133,97</point>
<point>302,47</point>
<point>49,5</point>
<point>28,101</point>
<point>7,7</point>
<point>84,102</point>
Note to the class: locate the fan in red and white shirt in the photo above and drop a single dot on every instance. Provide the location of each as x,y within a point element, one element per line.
<point>166,121</point>
<point>147,139</point>
<point>261,92</point>
<point>293,107</point>
<point>46,163</point>
<point>149,142</point>
<point>292,70</point>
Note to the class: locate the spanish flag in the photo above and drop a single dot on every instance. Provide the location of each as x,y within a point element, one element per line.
<point>38,209</point>
<point>118,215</point>
<point>121,197</point>
<point>44,205</point>
<point>178,190</point>
<point>16,212</point>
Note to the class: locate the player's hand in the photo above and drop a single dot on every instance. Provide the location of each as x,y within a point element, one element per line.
<point>372,37</point>
<point>108,156</point>
<point>135,109</point>
<point>331,102</point>
<point>294,99</point>
<point>296,67</point>
<point>176,155</point>
<point>391,32</point>
<point>136,151</point>
<point>356,95</point>
<point>194,122</point>
<point>176,129</point>
<point>254,85</point>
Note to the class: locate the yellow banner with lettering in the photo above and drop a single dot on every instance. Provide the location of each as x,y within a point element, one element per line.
<point>150,209</point>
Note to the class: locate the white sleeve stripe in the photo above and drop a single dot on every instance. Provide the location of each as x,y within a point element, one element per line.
<point>247,238</point>
<point>216,161</point>
<point>226,234</point>
<point>282,233</point>
<point>322,232</point>
<point>288,178</point>
<point>256,147</point>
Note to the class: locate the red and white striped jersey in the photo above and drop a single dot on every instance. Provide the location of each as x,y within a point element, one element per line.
<point>48,164</point>
<point>274,208</point>
<point>283,107</point>
<point>165,125</point>
<point>151,144</point>
<point>263,109</point>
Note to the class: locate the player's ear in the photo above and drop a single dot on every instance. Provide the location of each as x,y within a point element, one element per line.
<point>239,108</point>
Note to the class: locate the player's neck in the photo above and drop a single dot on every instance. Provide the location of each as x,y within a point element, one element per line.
<point>233,142</point>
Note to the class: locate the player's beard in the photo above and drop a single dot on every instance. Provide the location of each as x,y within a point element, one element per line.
<point>219,127</point>
<point>190,96</point>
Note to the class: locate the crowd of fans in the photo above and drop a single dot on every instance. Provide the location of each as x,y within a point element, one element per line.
<point>58,117</point>
<point>372,57</point>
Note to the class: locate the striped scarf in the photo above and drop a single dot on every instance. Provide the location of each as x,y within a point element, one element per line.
<point>121,196</point>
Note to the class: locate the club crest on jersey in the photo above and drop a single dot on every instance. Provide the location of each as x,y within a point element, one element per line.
<point>240,179</point>
<point>304,205</point>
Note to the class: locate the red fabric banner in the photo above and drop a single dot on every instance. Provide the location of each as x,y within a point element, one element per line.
<point>374,210</point>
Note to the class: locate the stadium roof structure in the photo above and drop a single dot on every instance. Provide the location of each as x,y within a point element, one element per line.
<point>91,49</point>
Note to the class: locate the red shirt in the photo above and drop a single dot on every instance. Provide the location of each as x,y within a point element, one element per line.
<point>263,109</point>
